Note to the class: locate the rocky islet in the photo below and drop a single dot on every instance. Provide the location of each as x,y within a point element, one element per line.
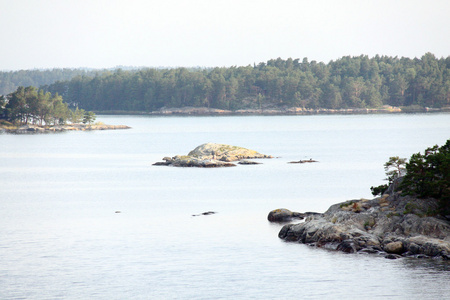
<point>211,155</point>
<point>392,225</point>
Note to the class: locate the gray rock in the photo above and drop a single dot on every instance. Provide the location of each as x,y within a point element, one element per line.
<point>391,223</point>
<point>393,256</point>
<point>283,215</point>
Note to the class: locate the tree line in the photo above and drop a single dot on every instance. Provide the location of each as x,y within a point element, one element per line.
<point>28,105</point>
<point>349,82</point>
<point>11,80</point>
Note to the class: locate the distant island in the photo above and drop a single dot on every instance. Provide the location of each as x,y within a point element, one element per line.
<point>29,110</point>
<point>351,84</point>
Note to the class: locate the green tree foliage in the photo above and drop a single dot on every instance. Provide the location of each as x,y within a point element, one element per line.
<point>394,168</point>
<point>28,105</point>
<point>89,117</point>
<point>428,175</point>
<point>349,82</point>
<point>76,115</point>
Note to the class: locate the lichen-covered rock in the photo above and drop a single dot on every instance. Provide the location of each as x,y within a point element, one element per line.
<point>225,152</point>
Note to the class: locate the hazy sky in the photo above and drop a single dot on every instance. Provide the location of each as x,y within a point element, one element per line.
<point>108,33</point>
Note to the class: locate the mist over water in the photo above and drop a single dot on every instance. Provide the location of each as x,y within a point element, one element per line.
<point>62,238</point>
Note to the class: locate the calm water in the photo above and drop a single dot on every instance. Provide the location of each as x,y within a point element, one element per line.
<point>60,237</point>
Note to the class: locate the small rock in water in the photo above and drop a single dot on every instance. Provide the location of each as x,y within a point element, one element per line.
<point>248,162</point>
<point>303,161</point>
<point>117,212</point>
<point>206,213</point>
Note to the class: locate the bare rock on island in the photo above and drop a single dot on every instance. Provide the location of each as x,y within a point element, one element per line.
<point>303,161</point>
<point>224,152</point>
<point>212,155</point>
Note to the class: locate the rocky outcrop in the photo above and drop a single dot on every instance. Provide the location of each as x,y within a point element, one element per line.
<point>212,155</point>
<point>391,225</point>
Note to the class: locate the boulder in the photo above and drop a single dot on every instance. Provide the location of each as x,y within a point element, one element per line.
<point>283,215</point>
<point>394,247</point>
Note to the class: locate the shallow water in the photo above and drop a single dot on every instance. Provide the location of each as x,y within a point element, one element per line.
<point>61,237</point>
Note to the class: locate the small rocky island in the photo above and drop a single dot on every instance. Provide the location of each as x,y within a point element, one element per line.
<point>211,155</point>
<point>391,225</point>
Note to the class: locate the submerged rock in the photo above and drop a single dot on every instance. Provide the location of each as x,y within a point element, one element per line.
<point>212,155</point>
<point>393,224</point>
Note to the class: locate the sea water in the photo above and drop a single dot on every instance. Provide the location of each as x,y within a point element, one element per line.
<point>85,215</point>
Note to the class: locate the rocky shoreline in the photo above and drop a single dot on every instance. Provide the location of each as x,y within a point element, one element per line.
<point>392,225</point>
<point>205,111</point>
<point>29,129</point>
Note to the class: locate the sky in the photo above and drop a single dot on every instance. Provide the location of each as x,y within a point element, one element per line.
<point>209,33</point>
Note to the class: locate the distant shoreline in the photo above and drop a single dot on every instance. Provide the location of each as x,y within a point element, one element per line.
<point>205,111</point>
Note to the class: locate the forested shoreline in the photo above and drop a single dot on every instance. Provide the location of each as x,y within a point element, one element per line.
<point>349,82</point>
<point>357,82</point>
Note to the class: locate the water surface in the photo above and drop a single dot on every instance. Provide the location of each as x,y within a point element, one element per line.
<point>61,237</point>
